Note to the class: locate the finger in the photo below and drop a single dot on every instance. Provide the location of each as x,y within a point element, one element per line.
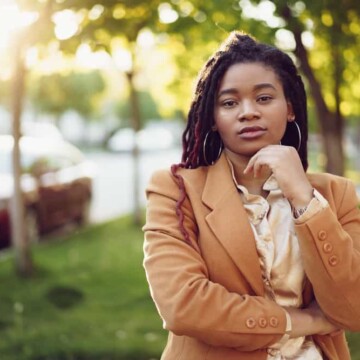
<point>261,154</point>
<point>261,161</point>
<point>336,332</point>
<point>248,169</point>
<point>249,166</point>
<point>257,168</point>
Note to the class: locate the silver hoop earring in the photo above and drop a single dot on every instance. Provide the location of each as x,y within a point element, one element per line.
<point>299,133</point>
<point>204,150</point>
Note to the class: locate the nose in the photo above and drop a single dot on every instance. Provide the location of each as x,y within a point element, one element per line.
<point>248,111</point>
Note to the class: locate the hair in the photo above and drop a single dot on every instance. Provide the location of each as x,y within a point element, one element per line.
<point>201,145</point>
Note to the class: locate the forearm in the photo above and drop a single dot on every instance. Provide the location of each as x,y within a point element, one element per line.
<point>191,305</point>
<point>189,302</point>
<point>332,265</point>
<point>329,242</point>
<point>310,321</point>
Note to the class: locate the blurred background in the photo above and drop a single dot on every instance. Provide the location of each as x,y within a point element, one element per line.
<point>93,98</point>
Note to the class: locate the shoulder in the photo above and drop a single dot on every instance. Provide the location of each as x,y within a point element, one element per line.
<point>334,188</point>
<point>165,179</point>
<point>326,179</point>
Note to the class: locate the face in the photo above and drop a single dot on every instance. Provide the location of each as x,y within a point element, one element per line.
<point>251,110</point>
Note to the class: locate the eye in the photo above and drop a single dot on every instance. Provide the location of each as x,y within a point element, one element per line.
<point>264,98</point>
<point>229,103</point>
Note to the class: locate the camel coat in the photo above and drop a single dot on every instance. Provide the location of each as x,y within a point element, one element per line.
<point>211,295</point>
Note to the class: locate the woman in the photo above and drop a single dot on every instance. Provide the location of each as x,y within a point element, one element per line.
<point>246,255</point>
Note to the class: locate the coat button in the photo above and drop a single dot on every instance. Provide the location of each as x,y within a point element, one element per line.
<point>274,322</point>
<point>327,247</point>
<point>262,322</point>
<point>250,323</point>
<point>333,260</point>
<point>322,235</point>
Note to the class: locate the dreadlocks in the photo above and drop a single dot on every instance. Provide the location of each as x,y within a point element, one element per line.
<point>238,48</point>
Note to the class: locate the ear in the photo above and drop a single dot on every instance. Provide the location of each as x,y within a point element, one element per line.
<point>290,112</point>
<point>214,128</point>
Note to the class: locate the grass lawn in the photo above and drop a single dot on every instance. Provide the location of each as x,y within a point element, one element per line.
<point>88,301</point>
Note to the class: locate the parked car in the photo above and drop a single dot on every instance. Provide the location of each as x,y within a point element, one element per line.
<point>56,183</point>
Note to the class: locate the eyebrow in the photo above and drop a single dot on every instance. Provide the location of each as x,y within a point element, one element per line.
<point>256,87</point>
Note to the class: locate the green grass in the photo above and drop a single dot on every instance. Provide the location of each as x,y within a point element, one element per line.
<point>354,344</point>
<point>88,300</point>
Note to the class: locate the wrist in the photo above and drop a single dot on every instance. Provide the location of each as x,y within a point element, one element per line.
<point>302,200</point>
<point>302,321</point>
<point>298,211</point>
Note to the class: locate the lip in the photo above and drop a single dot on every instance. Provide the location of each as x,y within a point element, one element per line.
<point>252,132</point>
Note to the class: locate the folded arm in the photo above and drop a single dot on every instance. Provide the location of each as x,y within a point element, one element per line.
<point>330,246</point>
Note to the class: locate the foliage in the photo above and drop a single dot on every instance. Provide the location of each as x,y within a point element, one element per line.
<point>330,64</point>
<point>335,53</point>
<point>334,25</point>
<point>102,22</point>
<point>148,109</point>
<point>88,300</point>
<point>57,93</point>
<point>198,27</point>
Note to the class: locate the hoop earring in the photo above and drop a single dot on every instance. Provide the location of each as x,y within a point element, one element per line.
<point>299,133</point>
<point>204,150</point>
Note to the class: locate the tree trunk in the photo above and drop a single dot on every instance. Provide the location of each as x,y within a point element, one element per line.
<point>23,260</point>
<point>136,125</point>
<point>331,125</point>
<point>338,118</point>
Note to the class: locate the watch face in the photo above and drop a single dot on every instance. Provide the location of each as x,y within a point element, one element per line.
<point>298,212</point>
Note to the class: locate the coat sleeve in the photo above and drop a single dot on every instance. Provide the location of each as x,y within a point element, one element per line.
<point>188,302</point>
<point>330,247</point>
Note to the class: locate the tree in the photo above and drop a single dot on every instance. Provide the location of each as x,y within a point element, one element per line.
<point>100,26</point>
<point>148,109</point>
<point>23,39</point>
<point>4,92</point>
<point>23,260</point>
<point>57,93</point>
<point>332,25</point>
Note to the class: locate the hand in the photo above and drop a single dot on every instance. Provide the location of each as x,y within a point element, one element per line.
<point>310,321</point>
<point>285,164</point>
<point>325,326</point>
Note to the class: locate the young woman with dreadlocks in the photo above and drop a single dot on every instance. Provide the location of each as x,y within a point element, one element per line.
<point>248,256</point>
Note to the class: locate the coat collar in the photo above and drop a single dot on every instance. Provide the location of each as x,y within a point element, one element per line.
<point>229,222</point>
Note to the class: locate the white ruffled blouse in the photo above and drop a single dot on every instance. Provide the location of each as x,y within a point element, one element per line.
<point>280,259</point>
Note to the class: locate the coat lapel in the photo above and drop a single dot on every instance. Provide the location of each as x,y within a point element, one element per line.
<point>229,222</point>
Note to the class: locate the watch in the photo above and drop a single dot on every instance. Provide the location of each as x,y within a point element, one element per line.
<point>297,212</point>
